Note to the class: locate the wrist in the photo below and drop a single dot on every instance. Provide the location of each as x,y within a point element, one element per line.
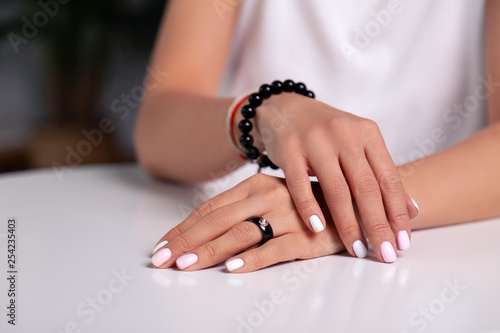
<point>249,112</point>
<point>274,115</point>
<point>233,117</point>
<point>257,139</point>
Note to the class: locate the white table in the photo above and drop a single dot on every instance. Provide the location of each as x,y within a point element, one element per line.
<point>83,265</point>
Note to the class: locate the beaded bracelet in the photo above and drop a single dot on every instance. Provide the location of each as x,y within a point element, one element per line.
<point>248,112</point>
<point>231,113</point>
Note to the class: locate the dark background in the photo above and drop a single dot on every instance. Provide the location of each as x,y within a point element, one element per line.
<point>66,67</point>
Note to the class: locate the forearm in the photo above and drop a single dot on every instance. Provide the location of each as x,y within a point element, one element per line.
<point>461,183</point>
<point>180,132</point>
<point>181,136</point>
<point>493,54</point>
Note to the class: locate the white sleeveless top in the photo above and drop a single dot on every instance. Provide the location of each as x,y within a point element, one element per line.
<point>414,67</point>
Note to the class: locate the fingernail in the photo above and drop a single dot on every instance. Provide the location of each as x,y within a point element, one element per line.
<point>316,223</point>
<point>388,253</point>
<point>186,260</point>
<point>159,246</point>
<point>415,204</point>
<point>403,240</point>
<point>234,264</point>
<point>161,257</point>
<point>359,249</point>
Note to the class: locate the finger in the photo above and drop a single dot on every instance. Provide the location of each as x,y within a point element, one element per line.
<point>338,198</point>
<point>284,248</point>
<point>393,193</point>
<point>299,186</point>
<point>208,228</point>
<point>412,207</point>
<point>239,238</point>
<point>366,193</point>
<point>237,193</point>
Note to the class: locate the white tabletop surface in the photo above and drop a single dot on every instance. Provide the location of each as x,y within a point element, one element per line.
<point>83,265</point>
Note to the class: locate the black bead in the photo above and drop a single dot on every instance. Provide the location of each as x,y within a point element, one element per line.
<point>246,140</point>
<point>252,153</point>
<point>248,112</point>
<point>276,87</point>
<point>255,100</point>
<point>265,90</point>
<point>266,162</point>
<point>288,85</point>
<point>300,88</point>
<point>273,166</point>
<point>245,126</point>
<point>309,93</point>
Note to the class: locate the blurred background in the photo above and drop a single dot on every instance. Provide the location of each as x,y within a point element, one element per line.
<point>71,78</point>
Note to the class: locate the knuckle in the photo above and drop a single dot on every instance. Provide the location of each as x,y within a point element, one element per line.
<point>259,182</point>
<point>339,123</point>
<point>391,183</point>
<point>306,204</point>
<point>349,230</point>
<point>219,218</point>
<point>174,232</point>
<point>400,218</point>
<point>367,186</point>
<point>297,184</point>
<point>280,191</point>
<point>202,210</point>
<point>258,178</point>
<point>379,228</point>
<point>337,191</point>
<point>277,251</point>
<point>210,252</point>
<point>182,243</point>
<point>256,258</point>
<point>370,126</point>
<point>334,122</point>
<point>243,232</point>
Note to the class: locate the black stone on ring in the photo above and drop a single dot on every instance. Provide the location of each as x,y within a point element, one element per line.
<point>262,223</point>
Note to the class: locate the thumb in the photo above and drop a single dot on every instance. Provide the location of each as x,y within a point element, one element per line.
<point>412,207</point>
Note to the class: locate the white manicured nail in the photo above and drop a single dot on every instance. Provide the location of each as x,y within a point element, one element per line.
<point>403,240</point>
<point>316,223</point>
<point>415,204</point>
<point>159,246</point>
<point>359,249</point>
<point>234,264</point>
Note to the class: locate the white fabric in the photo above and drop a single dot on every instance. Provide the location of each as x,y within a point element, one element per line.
<point>412,69</point>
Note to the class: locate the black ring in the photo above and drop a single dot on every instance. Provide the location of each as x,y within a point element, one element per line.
<point>265,226</point>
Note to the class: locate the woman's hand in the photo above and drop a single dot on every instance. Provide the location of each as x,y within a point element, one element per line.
<point>217,230</point>
<point>349,157</point>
